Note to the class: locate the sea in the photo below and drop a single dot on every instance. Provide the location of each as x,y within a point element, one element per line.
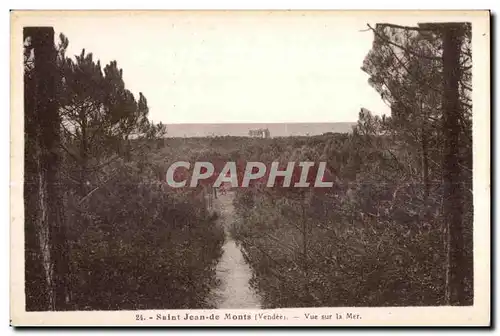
<point>243,129</point>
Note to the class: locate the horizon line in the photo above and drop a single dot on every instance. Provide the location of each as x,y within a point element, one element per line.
<point>263,122</point>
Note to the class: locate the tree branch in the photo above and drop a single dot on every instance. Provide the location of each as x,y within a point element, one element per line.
<point>418,29</point>
<point>403,48</point>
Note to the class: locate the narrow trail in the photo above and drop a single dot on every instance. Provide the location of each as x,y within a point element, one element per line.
<point>233,273</point>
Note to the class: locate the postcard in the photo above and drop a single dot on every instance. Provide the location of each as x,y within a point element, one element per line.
<point>250,168</point>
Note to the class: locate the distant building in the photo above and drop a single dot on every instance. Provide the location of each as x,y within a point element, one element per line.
<point>260,133</point>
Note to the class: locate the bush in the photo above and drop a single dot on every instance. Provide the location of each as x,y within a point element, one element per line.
<point>136,246</point>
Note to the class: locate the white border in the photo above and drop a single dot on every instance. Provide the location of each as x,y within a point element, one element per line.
<point>481,145</point>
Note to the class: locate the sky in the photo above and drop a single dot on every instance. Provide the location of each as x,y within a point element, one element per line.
<point>217,67</point>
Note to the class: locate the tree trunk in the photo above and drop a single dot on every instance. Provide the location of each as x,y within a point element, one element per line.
<point>48,221</point>
<point>453,198</point>
<point>425,152</point>
<point>83,153</point>
<point>304,250</point>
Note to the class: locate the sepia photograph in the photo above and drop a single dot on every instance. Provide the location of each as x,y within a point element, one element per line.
<point>250,168</point>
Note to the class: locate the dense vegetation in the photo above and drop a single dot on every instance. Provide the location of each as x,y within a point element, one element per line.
<point>394,230</point>
<point>387,234</point>
<point>116,238</point>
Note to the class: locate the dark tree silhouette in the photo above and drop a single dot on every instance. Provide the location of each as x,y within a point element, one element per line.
<point>43,175</point>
